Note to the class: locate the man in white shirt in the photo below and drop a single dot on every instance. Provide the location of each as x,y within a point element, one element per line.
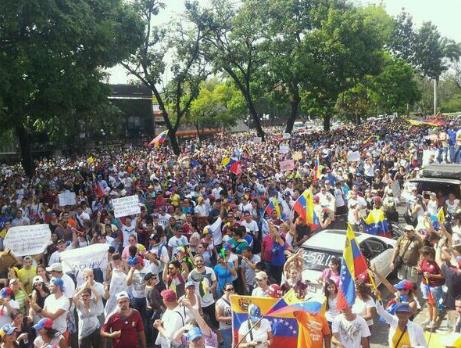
<point>157,254</point>
<point>69,286</point>
<point>128,228</point>
<point>55,256</point>
<point>178,240</point>
<point>350,330</point>
<point>56,306</point>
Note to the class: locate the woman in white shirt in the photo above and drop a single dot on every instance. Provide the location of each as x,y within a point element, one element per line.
<point>331,293</point>
<point>364,304</point>
<point>255,332</point>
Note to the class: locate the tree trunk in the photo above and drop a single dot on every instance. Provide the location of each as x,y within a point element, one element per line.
<point>357,120</point>
<point>326,122</point>
<point>26,153</point>
<point>294,103</point>
<point>257,121</point>
<point>174,142</point>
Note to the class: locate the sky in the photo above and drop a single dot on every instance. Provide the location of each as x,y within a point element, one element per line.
<point>443,13</point>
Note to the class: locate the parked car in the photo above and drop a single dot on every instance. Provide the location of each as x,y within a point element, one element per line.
<point>444,178</point>
<point>321,247</point>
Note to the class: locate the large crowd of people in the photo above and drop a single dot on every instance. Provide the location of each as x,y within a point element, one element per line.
<point>204,233</point>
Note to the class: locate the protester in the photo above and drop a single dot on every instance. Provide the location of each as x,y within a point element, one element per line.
<point>256,331</point>
<point>350,330</point>
<point>224,315</point>
<point>47,335</point>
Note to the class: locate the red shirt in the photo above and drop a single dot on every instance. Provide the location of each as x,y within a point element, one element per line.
<point>433,268</point>
<point>130,326</point>
<point>268,244</point>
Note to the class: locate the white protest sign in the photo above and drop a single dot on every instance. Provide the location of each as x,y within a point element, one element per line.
<point>257,140</point>
<point>67,198</point>
<point>126,206</point>
<point>353,156</point>
<point>27,240</point>
<point>287,165</point>
<point>93,256</point>
<point>284,148</point>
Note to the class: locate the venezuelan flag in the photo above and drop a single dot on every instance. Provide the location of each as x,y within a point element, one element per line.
<point>441,216</point>
<point>376,223</point>
<point>284,326</point>
<point>159,139</point>
<point>317,169</point>
<point>304,206</point>
<point>232,164</point>
<point>273,206</point>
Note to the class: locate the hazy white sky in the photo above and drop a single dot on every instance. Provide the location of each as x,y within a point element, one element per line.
<point>445,14</point>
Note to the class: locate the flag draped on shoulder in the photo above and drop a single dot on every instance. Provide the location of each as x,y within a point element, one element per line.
<point>376,223</point>
<point>232,164</point>
<point>304,207</point>
<point>159,139</point>
<point>353,265</point>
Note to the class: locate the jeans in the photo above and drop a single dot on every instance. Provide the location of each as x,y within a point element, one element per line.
<point>227,337</point>
<point>140,304</point>
<point>93,340</point>
<point>456,155</point>
<point>443,154</point>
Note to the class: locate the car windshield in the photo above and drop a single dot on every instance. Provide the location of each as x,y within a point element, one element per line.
<point>318,260</point>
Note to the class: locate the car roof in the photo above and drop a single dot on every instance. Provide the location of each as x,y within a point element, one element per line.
<point>333,240</point>
<point>437,180</point>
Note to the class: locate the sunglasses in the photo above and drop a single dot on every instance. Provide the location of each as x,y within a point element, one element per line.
<point>229,289</point>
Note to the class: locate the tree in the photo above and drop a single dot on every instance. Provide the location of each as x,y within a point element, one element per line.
<point>395,89</point>
<point>354,103</point>
<point>219,104</point>
<point>346,48</point>
<point>232,44</point>
<point>149,64</point>
<point>51,58</point>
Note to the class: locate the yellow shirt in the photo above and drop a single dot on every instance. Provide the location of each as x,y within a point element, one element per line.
<point>26,276</point>
<point>404,341</point>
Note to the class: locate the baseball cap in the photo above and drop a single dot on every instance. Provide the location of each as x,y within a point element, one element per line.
<point>45,323</point>
<point>36,280</point>
<point>404,285</point>
<point>254,313</point>
<point>189,284</point>
<point>27,258</point>
<point>261,275</point>
<point>121,295</point>
<point>55,267</point>
<point>6,292</point>
<point>7,329</point>
<point>57,282</point>
<point>402,307</point>
<point>168,295</point>
<point>194,333</point>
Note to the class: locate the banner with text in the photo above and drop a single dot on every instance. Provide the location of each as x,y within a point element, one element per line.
<point>67,198</point>
<point>126,206</point>
<point>287,165</point>
<point>93,256</point>
<point>27,240</point>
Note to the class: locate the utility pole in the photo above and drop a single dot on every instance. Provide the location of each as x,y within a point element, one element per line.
<point>435,97</point>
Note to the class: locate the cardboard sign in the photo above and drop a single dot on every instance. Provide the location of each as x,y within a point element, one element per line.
<point>257,140</point>
<point>92,256</point>
<point>298,155</point>
<point>353,156</point>
<point>27,240</point>
<point>67,198</point>
<point>126,206</point>
<point>287,165</point>
<point>284,149</point>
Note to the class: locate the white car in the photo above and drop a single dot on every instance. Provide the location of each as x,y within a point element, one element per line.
<point>322,246</point>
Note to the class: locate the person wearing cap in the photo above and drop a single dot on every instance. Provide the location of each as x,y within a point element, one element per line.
<point>56,272</point>
<point>175,317</point>
<point>27,273</point>
<point>406,254</point>
<point>262,285</point>
<point>135,280</point>
<point>8,336</point>
<point>124,326</point>
<point>256,332</point>
<point>39,293</point>
<point>192,296</point>
<point>8,306</point>
<point>402,332</point>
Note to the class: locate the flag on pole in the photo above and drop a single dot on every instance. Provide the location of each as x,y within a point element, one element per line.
<point>353,265</point>
<point>232,164</point>
<point>304,207</point>
<point>159,139</point>
<point>274,206</point>
<point>376,223</point>
<point>441,216</point>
